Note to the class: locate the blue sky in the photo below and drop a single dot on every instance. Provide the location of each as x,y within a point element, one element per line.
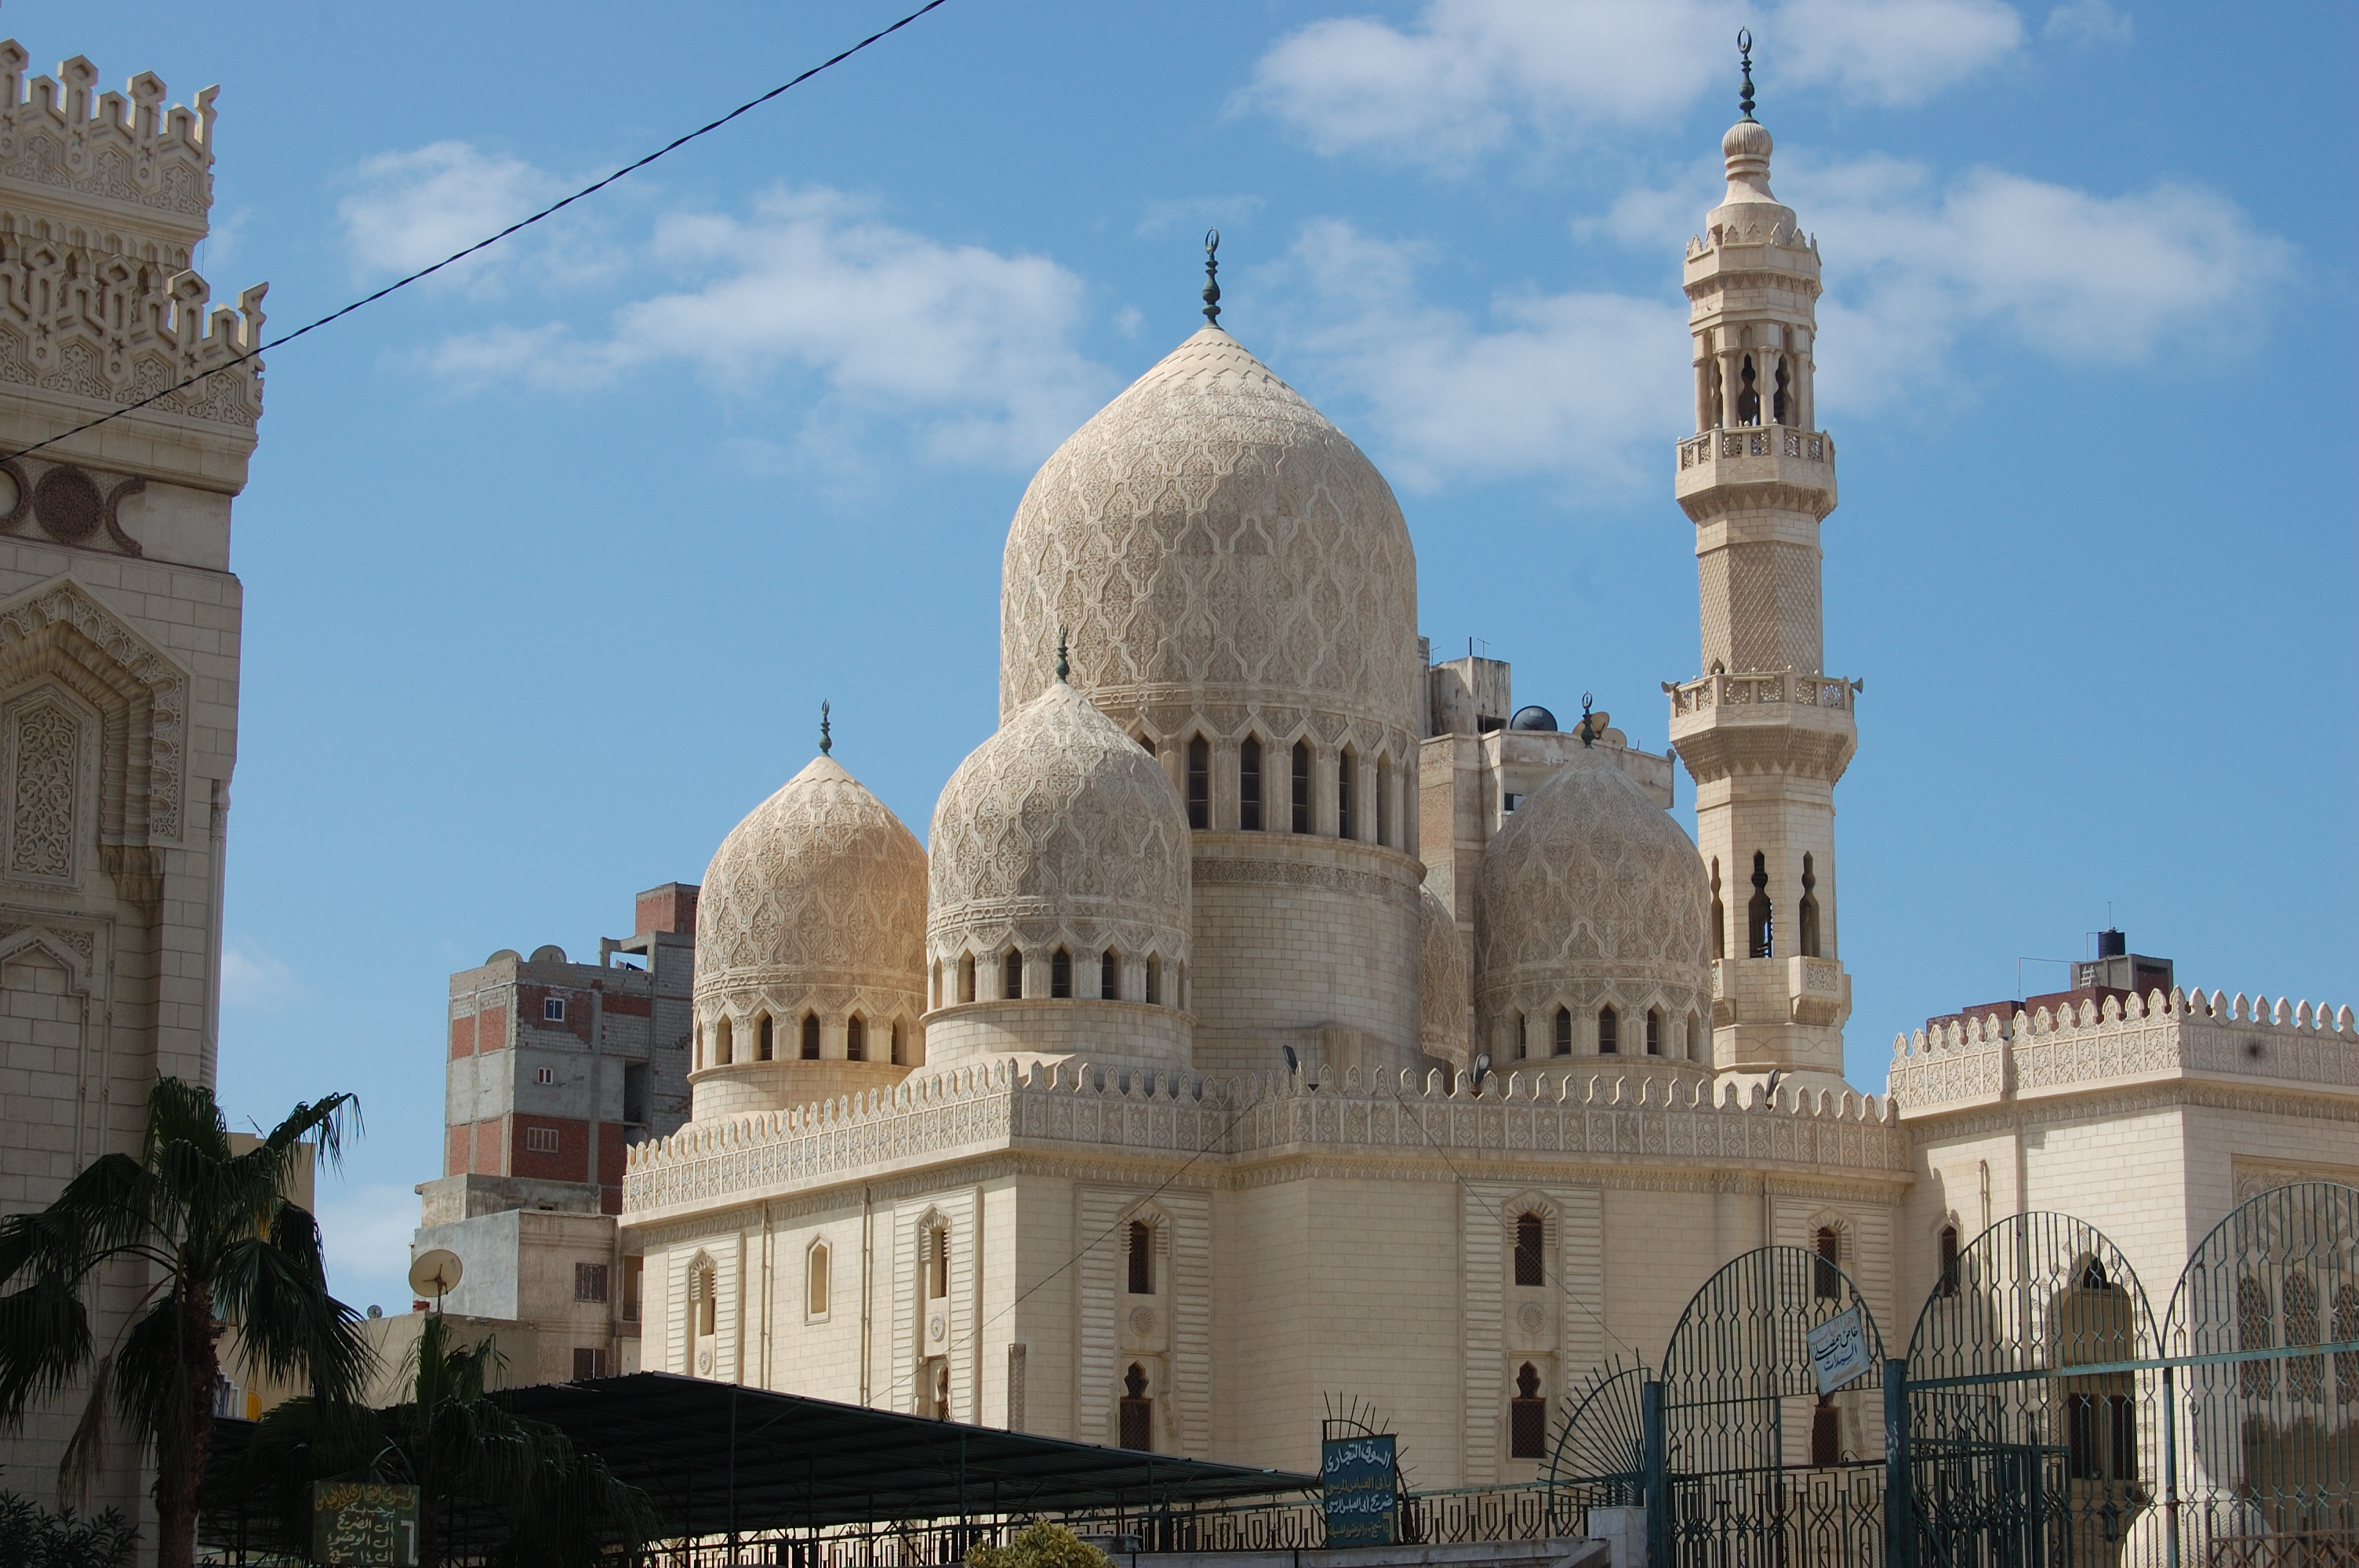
<point>550,564</point>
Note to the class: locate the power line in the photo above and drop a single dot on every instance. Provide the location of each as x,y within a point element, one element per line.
<point>522,224</point>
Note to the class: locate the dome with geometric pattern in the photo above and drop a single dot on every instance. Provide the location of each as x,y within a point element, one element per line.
<point>1591,897</point>
<point>1058,832</point>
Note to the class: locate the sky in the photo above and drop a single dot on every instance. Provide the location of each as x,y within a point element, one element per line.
<point>550,561</point>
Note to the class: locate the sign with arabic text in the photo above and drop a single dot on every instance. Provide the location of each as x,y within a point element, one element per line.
<point>1839,1350</point>
<point>1358,1475</point>
<point>360,1524</point>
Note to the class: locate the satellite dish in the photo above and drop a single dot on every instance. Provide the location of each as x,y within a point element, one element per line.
<point>436,1272</point>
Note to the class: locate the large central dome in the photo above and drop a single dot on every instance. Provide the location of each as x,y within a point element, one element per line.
<point>1210,540</point>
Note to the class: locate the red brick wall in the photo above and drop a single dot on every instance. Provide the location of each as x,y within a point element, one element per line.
<point>629,1006</point>
<point>672,907</point>
<point>463,1037</point>
<point>531,1009</point>
<point>570,1163</point>
<point>458,1151</point>
<point>490,1137</point>
<point>491,1028</point>
<point>610,1166</point>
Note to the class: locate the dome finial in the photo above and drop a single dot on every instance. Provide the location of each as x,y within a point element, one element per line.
<point>1064,664</point>
<point>1586,738</point>
<point>1213,276</point>
<point>826,741</point>
<point>1744,53</point>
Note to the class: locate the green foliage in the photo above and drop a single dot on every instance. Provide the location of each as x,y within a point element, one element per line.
<point>32,1537</point>
<point>1039,1546</point>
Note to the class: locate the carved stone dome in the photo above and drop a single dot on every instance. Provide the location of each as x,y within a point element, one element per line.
<point>1059,831</point>
<point>1590,897</point>
<point>1443,998</point>
<point>1216,549</point>
<point>815,903</point>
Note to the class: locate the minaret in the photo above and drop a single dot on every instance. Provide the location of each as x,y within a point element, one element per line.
<point>1765,732</point>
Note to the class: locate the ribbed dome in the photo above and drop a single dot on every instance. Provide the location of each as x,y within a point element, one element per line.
<point>1209,541</point>
<point>1059,829</point>
<point>816,900</point>
<point>1442,993</point>
<point>1590,897</point>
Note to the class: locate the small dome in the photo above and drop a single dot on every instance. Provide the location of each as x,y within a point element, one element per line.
<point>1059,830</point>
<point>1590,897</point>
<point>1534,717</point>
<point>816,902</point>
<point>1443,997</point>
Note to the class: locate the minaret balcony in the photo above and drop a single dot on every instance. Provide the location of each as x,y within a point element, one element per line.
<point>1779,719</point>
<point>1814,992</point>
<point>1771,458</point>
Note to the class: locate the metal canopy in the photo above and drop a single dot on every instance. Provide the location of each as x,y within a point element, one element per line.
<point>717,1457</point>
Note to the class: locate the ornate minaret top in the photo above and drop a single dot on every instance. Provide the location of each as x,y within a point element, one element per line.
<point>1764,731</point>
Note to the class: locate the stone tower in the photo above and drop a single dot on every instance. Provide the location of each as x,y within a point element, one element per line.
<point>1764,731</point>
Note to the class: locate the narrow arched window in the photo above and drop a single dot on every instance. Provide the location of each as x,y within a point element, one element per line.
<point>2256,1330</point>
<point>1137,1411</point>
<point>1109,975</point>
<point>1344,765</point>
<point>1200,782</point>
<point>1531,1250</point>
<point>1142,1257</point>
<point>1523,1046</point>
<point>1718,914</point>
<point>1301,797</point>
<point>1249,786</point>
<point>966,976</point>
<point>811,1037</point>
<point>815,1282</point>
<point>1777,400</point>
<point>707,1289</point>
<point>763,1040</point>
<point>1564,1031</point>
<point>938,1262</point>
<point>1609,1031</point>
<point>896,1045</point>
<point>1384,804</point>
<point>2346,1331</point>
<point>1807,912</point>
<point>1011,976</point>
<point>1748,395</point>
<point>1527,1417</point>
<point>1756,911</point>
<point>1060,974</point>
<point>1826,1279</point>
<point>1946,1251</point>
<point>724,1043</point>
<point>856,1040</point>
<point>1654,1032</point>
<point>1155,979</point>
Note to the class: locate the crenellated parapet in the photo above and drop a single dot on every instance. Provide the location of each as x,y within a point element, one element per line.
<point>1987,1058</point>
<point>103,197</point>
<point>1227,1127</point>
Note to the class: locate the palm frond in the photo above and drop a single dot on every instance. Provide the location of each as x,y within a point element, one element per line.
<point>114,1201</point>
<point>85,1450</point>
<point>275,1290</point>
<point>183,1112</point>
<point>44,1342</point>
<point>151,1375</point>
<point>328,1122</point>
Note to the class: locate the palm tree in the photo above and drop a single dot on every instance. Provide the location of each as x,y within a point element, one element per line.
<point>206,1236</point>
<point>466,1455</point>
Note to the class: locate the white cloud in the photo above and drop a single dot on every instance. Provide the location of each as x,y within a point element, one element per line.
<point>2089,21</point>
<point>973,345</point>
<point>1468,73</point>
<point>366,1232</point>
<point>255,979</point>
<point>413,209</point>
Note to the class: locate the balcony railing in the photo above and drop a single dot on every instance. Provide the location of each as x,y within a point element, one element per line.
<point>1761,688</point>
<point>1754,441</point>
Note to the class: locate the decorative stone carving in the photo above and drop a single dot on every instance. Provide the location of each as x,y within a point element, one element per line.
<point>1209,540</point>
<point>1443,995</point>
<point>815,900</point>
<point>1059,829</point>
<point>44,752</point>
<point>60,628</point>
<point>1590,894</point>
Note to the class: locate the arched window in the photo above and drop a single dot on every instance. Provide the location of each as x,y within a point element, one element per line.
<point>1011,976</point>
<point>1778,401</point>
<point>966,976</point>
<point>1060,974</point>
<point>938,1262</point>
<point>1756,911</point>
<point>1564,1031</point>
<point>2256,1330</point>
<point>1946,1251</point>
<point>1249,786</point>
<point>1718,914</point>
<point>1609,1031</point>
<point>722,1042</point>
<point>1301,797</point>
<point>705,1287</point>
<point>1200,782</point>
<point>1523,1046</point>
<point>1155,979</point>
<point>1826,1278</point>
<point>2305,1375</point>
<point>1527,1417</point>
<point>1531,1249</point>
<point>1344,765</point>
<point>1718,416</point>
<point>763,1040</point>
<point>1748,395</point>
<point>1137,1411</point>
<point>815,1281</point>
<point>1807,912</point>
<point>855,1039</point>
<point>1654,1032</point>
<point>1142,1257</point>
<point>896,1045</point>
<point>1109,975</point>
<point>810,1036</point>
<point>1383,803</point>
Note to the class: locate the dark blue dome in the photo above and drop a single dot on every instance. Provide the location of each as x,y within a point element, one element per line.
<point>1532,718</point>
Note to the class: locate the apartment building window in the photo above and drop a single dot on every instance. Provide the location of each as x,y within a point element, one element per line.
<point>635,1092</point>
<point>589,1281</point>
<point>544,1075</point>
<point>540,1139</point>
<point>589,1362</point>
<point>634,1270</point>
<point>553,1010</point>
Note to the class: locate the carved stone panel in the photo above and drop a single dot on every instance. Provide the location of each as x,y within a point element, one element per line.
<point>41,753</point>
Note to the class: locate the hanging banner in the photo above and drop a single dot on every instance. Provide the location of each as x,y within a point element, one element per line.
<point>359,1524</point>
<point>1358,1475</point>
<point>1839,1351</point>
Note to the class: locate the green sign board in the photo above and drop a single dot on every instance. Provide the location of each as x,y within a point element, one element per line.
<point>1358,1478</point>
<point>358,1524</point>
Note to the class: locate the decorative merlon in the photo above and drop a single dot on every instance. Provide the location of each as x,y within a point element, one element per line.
<point>1994,1056</point>
<point>105,157</point>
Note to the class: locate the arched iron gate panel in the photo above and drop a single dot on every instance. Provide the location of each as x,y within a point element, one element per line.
<point>2268,1441</point>
<point>2034,1431</point>
<point>1600,1447</point>
<point>1761,1470</point>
